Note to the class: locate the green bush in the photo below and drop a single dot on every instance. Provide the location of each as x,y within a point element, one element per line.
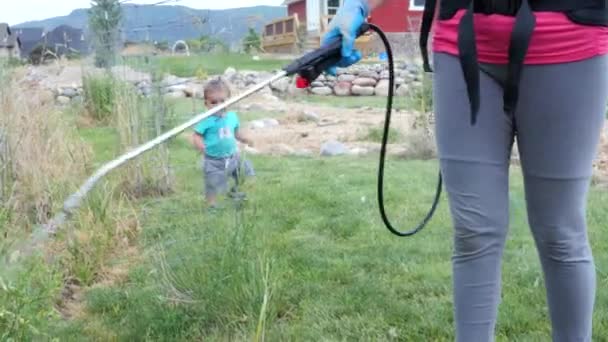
<point>375,134</point>
<point>422,95</point>
<point>99,95</point>
<point>27,299</point>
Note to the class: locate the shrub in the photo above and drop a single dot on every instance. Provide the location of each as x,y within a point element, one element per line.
<point>99,92</point>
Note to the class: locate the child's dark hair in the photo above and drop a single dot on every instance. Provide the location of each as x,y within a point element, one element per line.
<point>216,85</point>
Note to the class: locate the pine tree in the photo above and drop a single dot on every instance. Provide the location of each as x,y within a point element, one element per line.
<point>104,22</point>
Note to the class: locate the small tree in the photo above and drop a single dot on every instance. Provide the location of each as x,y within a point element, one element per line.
<point>252,41</point>
<point>212,44</point>
<point>104,21</point>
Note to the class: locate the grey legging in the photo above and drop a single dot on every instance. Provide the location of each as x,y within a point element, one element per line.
<point>557,125</point>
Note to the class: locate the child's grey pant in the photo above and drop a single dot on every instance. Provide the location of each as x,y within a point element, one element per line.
<point>557,124</point>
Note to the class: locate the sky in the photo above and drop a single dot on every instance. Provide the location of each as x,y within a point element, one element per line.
<point>17,11</point>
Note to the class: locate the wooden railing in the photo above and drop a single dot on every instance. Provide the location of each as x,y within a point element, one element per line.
<point>362,43</point>
<point>286,35</point>
<point>281,35</point>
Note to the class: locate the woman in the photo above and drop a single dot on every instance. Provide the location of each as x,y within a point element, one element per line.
<point>504,70</point>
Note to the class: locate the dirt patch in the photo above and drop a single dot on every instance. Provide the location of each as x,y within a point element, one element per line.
<point>297,131</point>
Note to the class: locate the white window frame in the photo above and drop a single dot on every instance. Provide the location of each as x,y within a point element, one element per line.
<point>414,7</point>
<point>326,6</point>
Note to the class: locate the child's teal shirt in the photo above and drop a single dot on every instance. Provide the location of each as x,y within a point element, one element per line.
<point>219,134</point>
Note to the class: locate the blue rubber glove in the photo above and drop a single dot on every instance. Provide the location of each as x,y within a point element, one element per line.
<point>346,23</point>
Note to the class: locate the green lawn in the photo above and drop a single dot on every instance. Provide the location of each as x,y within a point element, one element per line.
<point>212,64</point>
<point>307,258</point>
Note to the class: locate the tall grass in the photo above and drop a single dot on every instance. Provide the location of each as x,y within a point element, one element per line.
<point>40,157</point>
<point>42,161</point>
<point>99,95</point>
<point>137,121</point>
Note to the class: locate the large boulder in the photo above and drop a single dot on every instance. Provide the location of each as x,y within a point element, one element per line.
<point>281,85</point>
<point>365,82</point>
<point>322,90</point>
<point>63,100</point>
<point>382,88</point>
<point>175,95</point>
<point>362,91</point>
<point>347,78</point>
<point>295,91</point>
<point>342,88</point>
<point>69,92</point>
<point>403,90</point>
<point>368,74</point>
<point>333,148</point>
<point>263,123</point>
<point>308,115</point>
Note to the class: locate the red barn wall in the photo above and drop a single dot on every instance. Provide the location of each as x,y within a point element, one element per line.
<point>299,8</point>
<point>393,15</point>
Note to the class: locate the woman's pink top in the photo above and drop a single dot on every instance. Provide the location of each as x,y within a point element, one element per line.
<point>556,39</point>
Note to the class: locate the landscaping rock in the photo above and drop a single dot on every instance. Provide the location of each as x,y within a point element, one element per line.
<point>382,88</point>
<point>268,122</point>
<point>362,91</point>
<point>365,82</point>
<point>368,74</point>
<point>295,91</point>
<point>402,90</point>
<point>69,92</point>
<point>342,88</point>
<point>322,91</point>
<point>281,85</point>
<point>347,78</point>
<point>63,100</point>
<point>308,116</point>
<point>175,95</point>
<point>333,148</point>
<point>256,124</point>
<point>263,123</point>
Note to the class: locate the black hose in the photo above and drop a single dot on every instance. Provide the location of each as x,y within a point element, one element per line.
<point>389,107</point>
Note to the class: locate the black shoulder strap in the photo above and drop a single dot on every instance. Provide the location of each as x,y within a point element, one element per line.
<point>467,48</point>
<point>425,30</point>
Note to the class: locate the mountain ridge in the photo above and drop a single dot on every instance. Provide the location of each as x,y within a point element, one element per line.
<point>173,22</point>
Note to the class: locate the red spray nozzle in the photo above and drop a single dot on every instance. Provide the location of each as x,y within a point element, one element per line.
<point>301,82</point>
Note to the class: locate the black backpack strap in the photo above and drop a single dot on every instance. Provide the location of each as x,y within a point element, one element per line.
<point>525,21</point>
<point>590,12</point>
<point>425,30</point>
<point>468,59</point>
